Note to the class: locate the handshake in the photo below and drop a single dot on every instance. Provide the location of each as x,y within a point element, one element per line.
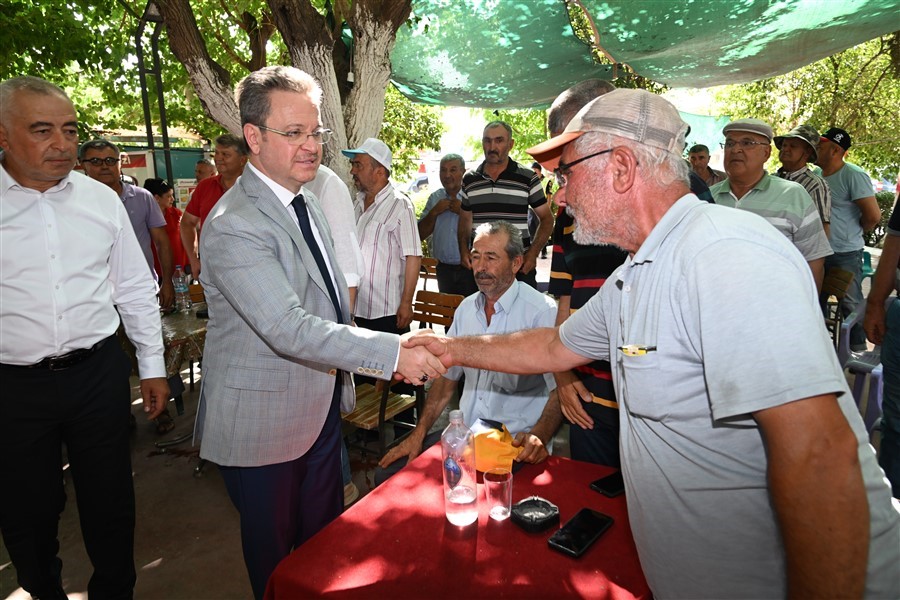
<point>424,355</point>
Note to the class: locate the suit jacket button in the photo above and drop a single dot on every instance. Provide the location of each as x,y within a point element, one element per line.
<point>380,372</point>
<point>360,370</point>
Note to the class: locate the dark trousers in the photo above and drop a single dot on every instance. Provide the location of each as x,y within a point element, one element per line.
<point>86,407</point>
<point>529,278</point>
<point>455,279</point>
<point>283,505</point>
<point>600,444</point>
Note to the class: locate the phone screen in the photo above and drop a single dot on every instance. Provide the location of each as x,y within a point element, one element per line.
<point>580,532</point>
<point>611,485</point>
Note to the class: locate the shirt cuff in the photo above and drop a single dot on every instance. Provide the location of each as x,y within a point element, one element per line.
<point>352,279</point>
<point>397,361</point>
<point>151,367</point>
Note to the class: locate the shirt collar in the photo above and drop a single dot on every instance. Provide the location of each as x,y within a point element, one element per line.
<point>505,302</point>
<point>675,215</point>
<point>284,195</point>
<point>7,182</point>
<point>785,173</point>
<point>511,166</point>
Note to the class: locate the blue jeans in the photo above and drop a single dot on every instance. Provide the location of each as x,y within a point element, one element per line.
<point>889,455</point>
<point>851,261</point>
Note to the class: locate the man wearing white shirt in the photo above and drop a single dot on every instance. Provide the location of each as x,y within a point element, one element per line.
<point>70,259</point>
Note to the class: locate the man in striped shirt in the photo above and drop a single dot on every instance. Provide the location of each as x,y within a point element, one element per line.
<point>389,240</point>
<point>796,149</point>
<point>501,189</point>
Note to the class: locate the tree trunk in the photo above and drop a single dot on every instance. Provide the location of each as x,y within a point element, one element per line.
<point>212,82</point>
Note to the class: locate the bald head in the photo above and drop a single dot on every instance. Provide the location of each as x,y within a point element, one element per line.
<point>568,103</point>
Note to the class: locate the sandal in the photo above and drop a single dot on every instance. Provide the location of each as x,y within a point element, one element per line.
<point>164,423</point>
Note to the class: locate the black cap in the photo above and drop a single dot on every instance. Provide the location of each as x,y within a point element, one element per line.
<point>838,136</point>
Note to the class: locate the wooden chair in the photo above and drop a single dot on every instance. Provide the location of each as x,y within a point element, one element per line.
<point>196,292</point>
<point>428,271</point>
<point>834,287</point>
<point>378,406</point>
<point>435,308</point>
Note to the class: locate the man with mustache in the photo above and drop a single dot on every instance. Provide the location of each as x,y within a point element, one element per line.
<point>526,404</point>
<point>501,188</point>
<point>72,268</point>
<point>784,204</point>
<point>796,149</point>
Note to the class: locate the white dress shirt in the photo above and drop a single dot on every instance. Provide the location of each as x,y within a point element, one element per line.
<point>68,259</point>
<point>335,201</point>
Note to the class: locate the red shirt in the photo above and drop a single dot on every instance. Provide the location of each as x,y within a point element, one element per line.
<point>173,229</point>
<point>205,196</point>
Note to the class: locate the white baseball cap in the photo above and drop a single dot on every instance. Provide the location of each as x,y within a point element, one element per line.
<point>374,148</point>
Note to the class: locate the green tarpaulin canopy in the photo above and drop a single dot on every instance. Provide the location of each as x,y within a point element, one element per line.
<point>520,53</point>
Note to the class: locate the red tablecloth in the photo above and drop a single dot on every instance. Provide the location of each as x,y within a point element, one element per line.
<point>397,543</point>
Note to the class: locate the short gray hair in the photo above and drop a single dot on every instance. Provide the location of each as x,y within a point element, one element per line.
<point>568,103</point>
<point>659,166</point>
<point>253,91</point>
<point>232,141</point>
<point>98,145</point>
<point>502,124</point>
<point>454,157</point>
<point>26,83</point>
<point>514,246</point>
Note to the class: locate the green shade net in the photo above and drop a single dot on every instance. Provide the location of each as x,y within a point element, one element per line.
<point>508,53</point>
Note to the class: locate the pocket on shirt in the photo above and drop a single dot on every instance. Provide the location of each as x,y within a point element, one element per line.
<point>644,394</point>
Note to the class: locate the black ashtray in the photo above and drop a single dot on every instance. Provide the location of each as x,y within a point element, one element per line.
<point>534,514</point>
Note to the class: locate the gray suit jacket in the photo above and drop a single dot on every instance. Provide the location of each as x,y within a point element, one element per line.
<point>273,348</point>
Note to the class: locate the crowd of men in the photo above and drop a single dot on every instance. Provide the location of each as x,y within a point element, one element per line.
<point>681,339</point>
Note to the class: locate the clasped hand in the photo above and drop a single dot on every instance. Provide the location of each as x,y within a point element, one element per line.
<point>421,357</point>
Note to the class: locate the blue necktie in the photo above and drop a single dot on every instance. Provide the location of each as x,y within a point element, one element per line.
<point>299,204</point>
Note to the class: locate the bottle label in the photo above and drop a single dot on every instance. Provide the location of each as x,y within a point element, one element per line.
<point>452,472</point>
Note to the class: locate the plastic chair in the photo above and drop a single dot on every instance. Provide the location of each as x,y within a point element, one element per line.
<point>865,366</point>
<point>867,271</point>
<point>836,284</point>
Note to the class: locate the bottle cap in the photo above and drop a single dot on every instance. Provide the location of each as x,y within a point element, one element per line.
<point>456,415</point>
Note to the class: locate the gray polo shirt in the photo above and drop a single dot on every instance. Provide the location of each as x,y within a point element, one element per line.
<point>730,310</point>
<point>144,213</point>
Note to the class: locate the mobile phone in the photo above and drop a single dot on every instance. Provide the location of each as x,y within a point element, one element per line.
<point>610,486</point>
<point>580,532</point>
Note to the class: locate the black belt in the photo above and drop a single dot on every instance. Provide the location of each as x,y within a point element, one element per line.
<point>64,361</point>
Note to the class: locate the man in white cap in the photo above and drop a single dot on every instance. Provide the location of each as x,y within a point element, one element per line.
<point>784,204</point>
<point>796,149</point>
<point>747,467</point>
<point>389,240</point>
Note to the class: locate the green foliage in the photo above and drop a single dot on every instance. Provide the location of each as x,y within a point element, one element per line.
<point>529,127</point>
<point>857,90</point>
<point>409,129</point>
<point>886,205</point>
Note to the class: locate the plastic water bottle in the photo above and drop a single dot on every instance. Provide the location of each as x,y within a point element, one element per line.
<point>182,293</point>
<point>460,491</point>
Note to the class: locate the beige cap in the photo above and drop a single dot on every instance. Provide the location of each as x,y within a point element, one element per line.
<point>638,115</point>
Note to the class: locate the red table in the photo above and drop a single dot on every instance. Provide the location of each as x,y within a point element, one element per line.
<point>397,543</point>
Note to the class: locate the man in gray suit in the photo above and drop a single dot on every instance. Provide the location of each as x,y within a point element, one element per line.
<point>279,347</point>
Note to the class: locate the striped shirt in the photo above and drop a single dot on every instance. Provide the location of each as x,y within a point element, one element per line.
<point>578,272</point>
<point>787,206</point>
<point>387,234</point>
<point>815,185</point>
<point>506,199</point>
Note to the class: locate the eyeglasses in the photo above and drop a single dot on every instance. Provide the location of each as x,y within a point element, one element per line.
<point>563,171</point>
<point>744,144</point>
<point>298,138</point>
<point>108,161</point>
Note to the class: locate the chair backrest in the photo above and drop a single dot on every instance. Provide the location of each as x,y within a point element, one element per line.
<point>434,308</point>
<point>428,270</point>
<point>196,292</point>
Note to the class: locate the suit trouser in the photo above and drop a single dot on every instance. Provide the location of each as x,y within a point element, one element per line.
<point>86,408</point>
<point>285,504</point>
<point>600,444</point>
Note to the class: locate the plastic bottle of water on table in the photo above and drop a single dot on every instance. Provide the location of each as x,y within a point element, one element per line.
<point>460,491</point>
<point>182,293</point>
